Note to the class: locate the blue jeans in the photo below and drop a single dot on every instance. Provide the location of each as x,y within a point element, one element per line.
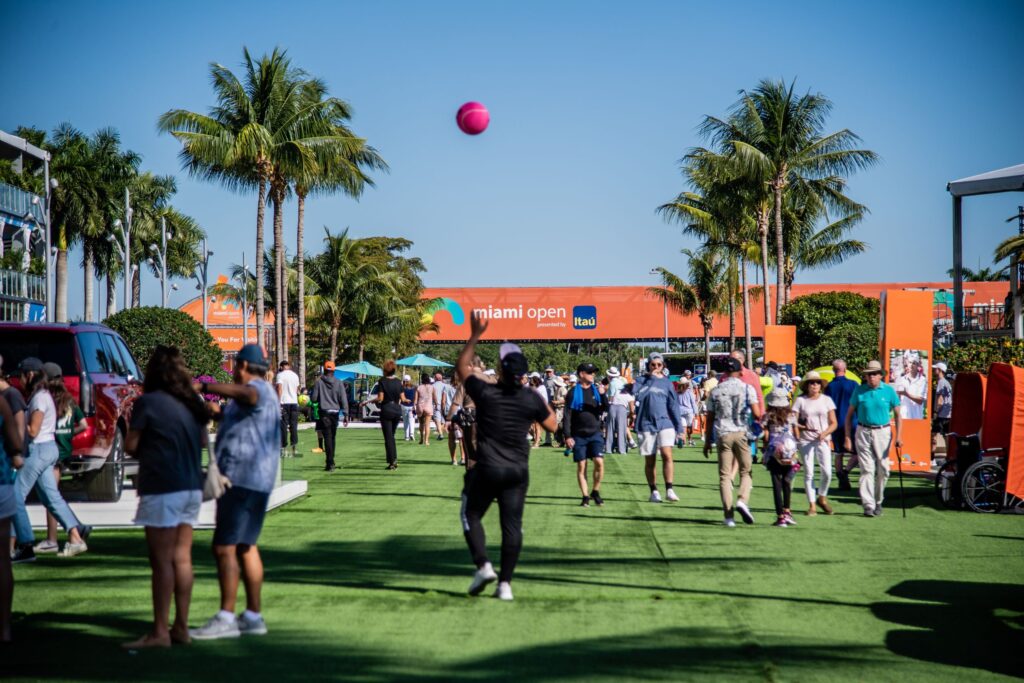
<point>38,471</point>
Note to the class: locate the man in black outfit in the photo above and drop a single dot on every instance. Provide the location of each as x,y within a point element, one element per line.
<point>581,424</point>
<point>330,394</point>
<point>504,413</point>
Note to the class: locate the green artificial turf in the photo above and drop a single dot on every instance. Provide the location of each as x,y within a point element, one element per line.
<point>365,581</point>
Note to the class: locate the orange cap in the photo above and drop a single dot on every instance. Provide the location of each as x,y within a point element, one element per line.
<point>329,365</point>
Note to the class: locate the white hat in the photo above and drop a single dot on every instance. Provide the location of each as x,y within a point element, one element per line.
<point>534,375</point>
<point>777,399</point>
<point>573,378</point>
<point>406,378</point>
<point>940,366</point>
<point>613,371</point>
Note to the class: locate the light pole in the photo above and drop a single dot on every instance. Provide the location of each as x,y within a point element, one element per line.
<point>201,274</point>
<point>654,271</point>
<point>51,185</point>
<point>124,251</point>
<point>161,254</point>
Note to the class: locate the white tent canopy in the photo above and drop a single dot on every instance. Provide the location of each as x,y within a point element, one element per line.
<point>1010,179</point>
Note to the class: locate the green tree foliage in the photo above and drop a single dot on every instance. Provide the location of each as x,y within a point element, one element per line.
<point>143,329</point>
<point>978,354</point>
<point>817,315</point>
<point>856,343</point>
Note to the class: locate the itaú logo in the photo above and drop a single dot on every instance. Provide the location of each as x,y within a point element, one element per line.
<point>584,317</point>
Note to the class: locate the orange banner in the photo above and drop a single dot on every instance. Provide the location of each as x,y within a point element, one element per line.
<point>621,313</point>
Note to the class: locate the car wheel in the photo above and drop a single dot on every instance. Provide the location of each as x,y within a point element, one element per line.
<point>106,484</point>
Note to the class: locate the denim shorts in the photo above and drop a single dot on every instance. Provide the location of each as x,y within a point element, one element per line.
<point>240,513</point>
<point>168,510</point>
<point>585,447</point>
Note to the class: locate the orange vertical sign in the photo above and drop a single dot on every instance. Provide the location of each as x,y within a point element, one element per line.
<point>780,346</point>
<point>907,358</point>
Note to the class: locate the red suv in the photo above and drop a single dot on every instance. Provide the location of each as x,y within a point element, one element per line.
<point>101,374</point>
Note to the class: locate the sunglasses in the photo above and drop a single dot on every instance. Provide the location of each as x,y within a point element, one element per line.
<point>656,365</point>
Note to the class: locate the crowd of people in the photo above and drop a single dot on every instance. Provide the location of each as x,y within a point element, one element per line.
<point>491,422</point>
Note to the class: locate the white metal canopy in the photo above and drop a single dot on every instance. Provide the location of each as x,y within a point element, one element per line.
<point>1010,179</point>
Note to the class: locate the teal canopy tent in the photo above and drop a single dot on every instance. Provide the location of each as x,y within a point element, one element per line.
<point>423,361</point>
<point>360,368</point>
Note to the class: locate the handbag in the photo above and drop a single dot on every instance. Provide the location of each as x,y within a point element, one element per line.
<point>216,483</point>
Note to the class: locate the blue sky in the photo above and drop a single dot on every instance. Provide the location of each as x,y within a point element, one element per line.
<point>592,106</point>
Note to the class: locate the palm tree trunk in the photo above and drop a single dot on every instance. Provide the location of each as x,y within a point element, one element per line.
<point>300,265</point>
<point>111,295</point>
<point>732,303</point>
<point>279,315</point>
<point>137,288</point>
<point>362,347</point>
<point>61,303</point>
<point>260,211</point>
<point>762,231</point>
<point>707,345</point>
<point>746,312</point>
<point>89,274</point>
<point>334,342</point>
<point>780,250</point>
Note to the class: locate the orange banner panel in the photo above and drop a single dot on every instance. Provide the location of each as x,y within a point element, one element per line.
<point>780,345</point>
<point>907,357</point>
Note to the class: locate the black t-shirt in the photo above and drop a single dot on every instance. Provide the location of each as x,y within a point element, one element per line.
<point>503,418</point>
<point>15,400</point>
<point>170,445</point>
<point>587,420</point>
<point>391,387</point>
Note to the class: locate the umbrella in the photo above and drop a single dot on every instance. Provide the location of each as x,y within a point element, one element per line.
<point>828,375</point>
<point>421,360</point>
<point>361,368</point>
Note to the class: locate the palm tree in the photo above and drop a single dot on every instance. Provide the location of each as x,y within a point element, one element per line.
<point>150,198</point>
<point>1006,249</point>
<point>783,144</point>
<point>719,212</point>
<point>705,293</point>
<point>234,144</point>
<point>337,161</point>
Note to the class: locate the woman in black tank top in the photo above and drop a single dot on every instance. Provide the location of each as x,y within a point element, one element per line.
<point>389,397</point>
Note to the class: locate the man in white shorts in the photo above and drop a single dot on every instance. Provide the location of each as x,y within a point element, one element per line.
<point>658,424</point>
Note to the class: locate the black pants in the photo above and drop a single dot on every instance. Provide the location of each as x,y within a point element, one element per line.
<point>289,423</point>
<point>781,485</point>
<point>389,425</point>
<point>329,427</point>
<point>508,486</point>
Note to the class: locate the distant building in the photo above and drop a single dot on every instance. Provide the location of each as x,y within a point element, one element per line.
<point>22,295</point>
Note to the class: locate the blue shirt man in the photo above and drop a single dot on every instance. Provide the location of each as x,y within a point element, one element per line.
<point>840,390</point>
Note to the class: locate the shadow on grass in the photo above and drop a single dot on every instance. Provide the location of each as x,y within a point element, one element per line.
<point>89,650</point>
<point>975,625</point>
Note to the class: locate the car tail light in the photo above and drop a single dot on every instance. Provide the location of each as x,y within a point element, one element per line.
<point>86,396</point>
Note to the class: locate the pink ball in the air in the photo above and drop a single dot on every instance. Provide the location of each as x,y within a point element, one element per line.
<point>473,118</point>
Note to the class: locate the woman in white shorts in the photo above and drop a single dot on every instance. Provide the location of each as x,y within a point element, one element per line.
<point>10,460</point>
<point>167,435</point>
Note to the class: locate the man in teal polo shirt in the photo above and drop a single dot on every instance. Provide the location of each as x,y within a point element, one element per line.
<point>873,402</point>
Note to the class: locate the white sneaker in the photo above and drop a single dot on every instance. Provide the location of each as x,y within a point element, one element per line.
<point>670,496</point>
<point>47,547</point>
<point>216,628</point>
<point>748,517</point>
<point>251,626</point>
<point>72,549</point>
<point>729,522</point>
<point>655,496</point>
<point>504,591</point>
<point>483,576</point>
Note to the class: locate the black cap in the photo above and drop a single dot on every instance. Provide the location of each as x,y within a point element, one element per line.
<point>586,367</point>
<point>732,365</point>
<point>514,364</point>
<point>30,364</point>
<point>53,370</point>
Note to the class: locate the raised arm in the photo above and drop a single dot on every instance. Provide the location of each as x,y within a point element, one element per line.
<point>464,365</point>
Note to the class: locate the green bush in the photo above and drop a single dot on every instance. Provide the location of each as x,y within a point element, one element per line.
<point>832,325</point>
<point>976,355</point>
<point>143,329</point>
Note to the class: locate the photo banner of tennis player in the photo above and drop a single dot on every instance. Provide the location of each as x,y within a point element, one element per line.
<point>621,313</point>
<point>905,353</point>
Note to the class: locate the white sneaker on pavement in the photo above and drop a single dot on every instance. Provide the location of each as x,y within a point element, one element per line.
<point>504,591</point>
<point>483,576</point>
<point>670,496</point>
<point>655,496</point>
<point>216,627</point>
